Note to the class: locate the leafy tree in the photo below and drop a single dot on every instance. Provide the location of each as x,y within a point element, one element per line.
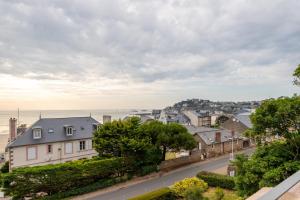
<point>166,137</point>
<point>5,167</point>
<point>297,75</point>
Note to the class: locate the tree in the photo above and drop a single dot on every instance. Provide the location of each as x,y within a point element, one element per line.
<point>122,139</point>
<point>297,75</point>
<point>166,137</point>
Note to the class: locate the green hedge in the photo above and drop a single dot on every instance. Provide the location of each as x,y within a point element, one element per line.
<point>160,194</point>
<point>60,178</point>
<point>217,180</point>
<point>86,189</point>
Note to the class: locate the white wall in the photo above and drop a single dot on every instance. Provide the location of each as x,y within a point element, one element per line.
<point>19,154</point>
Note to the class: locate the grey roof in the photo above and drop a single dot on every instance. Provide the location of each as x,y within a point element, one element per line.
<point>208,134</point>
<point>244,119</point>
<point>83,127</point>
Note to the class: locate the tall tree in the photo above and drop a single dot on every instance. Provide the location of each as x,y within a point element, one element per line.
<point>166,137</point>
<point>297,75</point>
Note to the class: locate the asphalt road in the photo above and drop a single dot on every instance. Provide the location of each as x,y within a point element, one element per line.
<point>166,180</point>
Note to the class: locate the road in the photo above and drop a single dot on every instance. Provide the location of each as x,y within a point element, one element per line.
<point>163,181</point>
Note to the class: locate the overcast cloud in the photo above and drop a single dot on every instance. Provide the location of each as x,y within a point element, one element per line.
<point>141,53</point>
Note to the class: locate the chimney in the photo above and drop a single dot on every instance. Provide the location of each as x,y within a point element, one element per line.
<point>12,129</point>
<point>218,137</point>
<point>106,118</point>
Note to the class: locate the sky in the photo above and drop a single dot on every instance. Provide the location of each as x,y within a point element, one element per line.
<point>93,54</point>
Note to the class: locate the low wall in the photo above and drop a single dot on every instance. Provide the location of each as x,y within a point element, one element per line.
<point>178,162</point>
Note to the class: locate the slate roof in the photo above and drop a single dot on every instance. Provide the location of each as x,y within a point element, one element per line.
<point>208,134</point>
<point>244,118</point>
<point>83,126</point>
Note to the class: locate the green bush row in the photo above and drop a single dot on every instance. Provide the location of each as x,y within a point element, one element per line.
<point>59,178</point>
<point>217,180</point>
<point>86,189</point>
<point>160,194</point>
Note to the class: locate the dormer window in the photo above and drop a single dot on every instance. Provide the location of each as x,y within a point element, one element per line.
<point>37,133</point>
<point>69,130</point>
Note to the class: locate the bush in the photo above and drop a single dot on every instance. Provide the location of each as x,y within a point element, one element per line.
<point>89,188</point>
<point>193,193</point>
<point>217,180</point>
<point>180,188</point>
<point>5,168</point>
<point>148,169</point>
<point>219,194</point>
<point>160,194</point>
<point>60,178</point>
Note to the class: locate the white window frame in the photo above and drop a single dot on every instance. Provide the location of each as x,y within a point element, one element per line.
<point>69,131</point>
<point>33,155</point>
<point>66,149</point>
<point>37,133</point>
<point>82,145</point>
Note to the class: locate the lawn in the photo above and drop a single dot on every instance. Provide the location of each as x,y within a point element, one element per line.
<point>229,194</point>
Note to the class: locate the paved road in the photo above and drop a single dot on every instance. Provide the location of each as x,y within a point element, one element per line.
<point>166,180</point>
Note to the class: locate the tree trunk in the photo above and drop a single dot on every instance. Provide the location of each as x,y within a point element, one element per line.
<point>164,153</point>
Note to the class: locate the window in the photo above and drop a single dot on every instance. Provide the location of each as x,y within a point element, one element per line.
<point>31,153</point>
<point>50,130</point>
<point>200,146</point>
<point>37,133</point>
<point>49,148</point>
<point>69,131</point>
<point>82,145</point>
<point>69,148</point>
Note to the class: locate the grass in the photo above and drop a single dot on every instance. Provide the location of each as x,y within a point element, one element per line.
<point>229,194</point>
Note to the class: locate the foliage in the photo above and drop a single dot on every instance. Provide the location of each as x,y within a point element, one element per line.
<point>5,167</point>
<point>219,194</point>
<point>146,143</point>
<point>267,167</point>
<point>160,194</point>
<point>85,189</point>
<point>217,180</point>
<point>297,75</point>
<point>59,178</point>
<point>228,194</point>
<point>171,136</point>
<point>180,188</point>
<point>194,193</point>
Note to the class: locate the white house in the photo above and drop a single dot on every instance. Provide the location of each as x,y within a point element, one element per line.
<point>53,140</point>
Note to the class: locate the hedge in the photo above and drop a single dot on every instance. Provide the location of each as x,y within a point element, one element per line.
<point>160,194</point>
<point>217,180</point>
<point>103,183</point>
<point>59,178</point>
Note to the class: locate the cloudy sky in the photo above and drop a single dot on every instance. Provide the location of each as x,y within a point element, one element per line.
<point>75,54</point>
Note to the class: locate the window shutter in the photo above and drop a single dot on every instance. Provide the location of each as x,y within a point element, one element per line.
<point>31,153</point>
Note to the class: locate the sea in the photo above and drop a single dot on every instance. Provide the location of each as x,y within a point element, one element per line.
<point>30,116</point>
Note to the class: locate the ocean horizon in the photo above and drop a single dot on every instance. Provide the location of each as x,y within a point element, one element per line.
<point>30,116</point>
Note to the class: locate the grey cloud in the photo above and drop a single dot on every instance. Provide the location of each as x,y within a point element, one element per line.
<point>146,40</point>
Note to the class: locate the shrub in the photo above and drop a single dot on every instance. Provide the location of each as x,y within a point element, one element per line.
<point>180,188</point>
<point>217,180</point>
<point>160,194</point>
<point>219,194</point>
<point>5,168</point>
<point>59,178</point>
<point>193,193</point>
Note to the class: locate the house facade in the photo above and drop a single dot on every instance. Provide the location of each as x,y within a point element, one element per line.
<point>52,141</point>
<point>212,141</point>
<point>238,123</point>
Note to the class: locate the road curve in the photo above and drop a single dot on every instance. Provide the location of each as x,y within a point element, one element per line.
<point>163,181</point>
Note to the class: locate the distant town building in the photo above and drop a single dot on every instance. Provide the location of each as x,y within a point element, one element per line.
<point>212,141</point>
<point>51,141</point>
<point>238,123</point>
<point>106,118</point>
<point>198,119</point>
